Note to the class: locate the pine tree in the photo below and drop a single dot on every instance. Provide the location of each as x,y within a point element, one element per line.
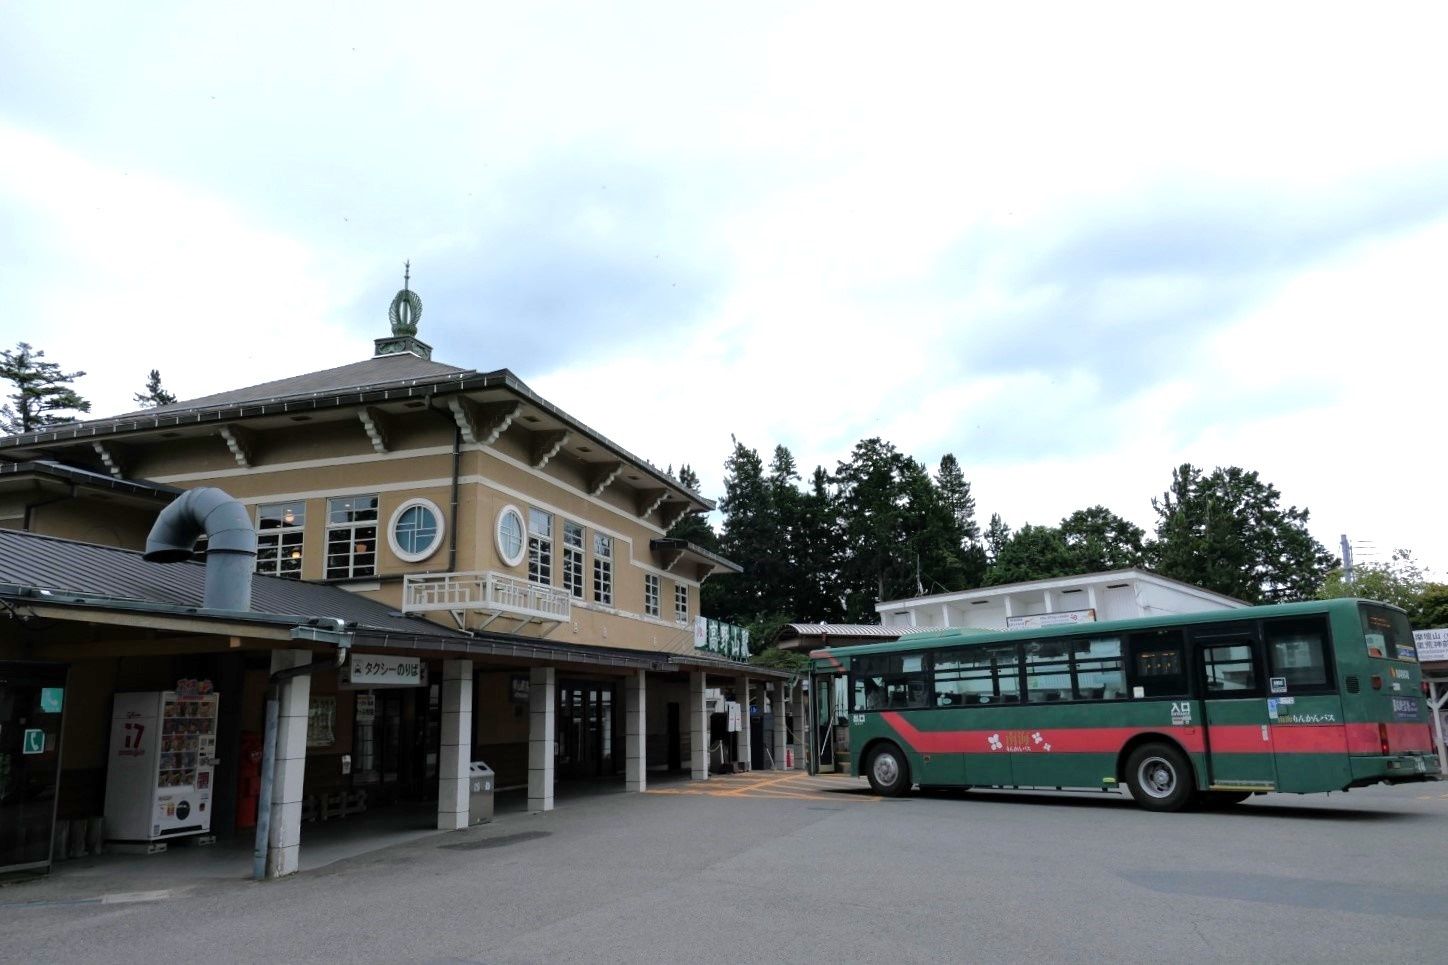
<point>1226,532</point>
<point>154,394</point>
<point>693,527</point>
<point>42,397</point>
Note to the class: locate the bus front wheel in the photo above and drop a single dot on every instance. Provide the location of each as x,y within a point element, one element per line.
<point>1160,778</point>
<point>888,771</point>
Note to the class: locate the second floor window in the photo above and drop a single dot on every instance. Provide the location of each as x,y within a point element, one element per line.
<point>573,559</point>
<point>351,537</point>
<point>681,603</point>
<point>279,539</point>
<point>540,547</point>
<point>651,595</point>
<point>603,569</point>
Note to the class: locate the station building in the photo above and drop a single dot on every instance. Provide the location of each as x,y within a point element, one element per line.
<point>448,569</point>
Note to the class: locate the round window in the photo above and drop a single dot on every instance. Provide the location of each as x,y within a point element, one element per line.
<point>416,530</point>
<point>510,535</point>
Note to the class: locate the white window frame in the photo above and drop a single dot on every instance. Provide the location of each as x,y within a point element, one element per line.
<point>354,528</point>
<point>276,537</point>
<point>415,556</point>
<point>515,557</point>
<point>540,547</point>
<point>681,603</point>
<point>651,594</point>
<point>602,569</point>
<point>574,560</point>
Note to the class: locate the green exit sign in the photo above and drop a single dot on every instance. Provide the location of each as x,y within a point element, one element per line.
<point>34,742</point>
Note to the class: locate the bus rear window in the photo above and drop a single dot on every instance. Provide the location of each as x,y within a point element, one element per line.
<point>1387,633</point>
<point>1296,655</point>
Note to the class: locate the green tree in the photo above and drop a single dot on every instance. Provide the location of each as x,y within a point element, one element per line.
<point>1033,553</point>
<point>750,536</point>
<point>154,394</point>
<point>43,395</point>
<point>900,537</point>
<point>955,494</point>
<point>1226,532</point>
<point>1400,581</point>
<point>996,537</point>
<point>1101,540</point>
<point>693,527</point>
<point>1432,611</point>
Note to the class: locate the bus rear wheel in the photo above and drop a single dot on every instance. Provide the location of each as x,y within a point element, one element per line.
<point>1160,778</point>
<point>888,771</point>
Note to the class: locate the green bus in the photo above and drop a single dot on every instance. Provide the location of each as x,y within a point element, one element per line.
<point>1201,708</point>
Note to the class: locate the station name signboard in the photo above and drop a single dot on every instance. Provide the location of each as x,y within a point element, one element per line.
<point>1039,621</point>
<point>723,639</point>
<point>1431,644</point>
<point>383,670</point>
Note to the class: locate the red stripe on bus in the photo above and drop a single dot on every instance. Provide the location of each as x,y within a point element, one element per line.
<point>1053,740</point>
<point>1224,738</point>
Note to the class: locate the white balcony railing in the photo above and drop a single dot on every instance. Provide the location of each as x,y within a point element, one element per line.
<point>482,597</point>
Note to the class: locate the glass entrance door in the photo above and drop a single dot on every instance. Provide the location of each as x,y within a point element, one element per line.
<point>32,699</point>
<point>587,725</point>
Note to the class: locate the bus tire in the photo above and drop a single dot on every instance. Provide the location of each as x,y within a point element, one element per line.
<point>888,771</point>
<point>1160,777</point>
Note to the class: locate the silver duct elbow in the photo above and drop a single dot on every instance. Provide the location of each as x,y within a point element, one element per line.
<point>230,548</point>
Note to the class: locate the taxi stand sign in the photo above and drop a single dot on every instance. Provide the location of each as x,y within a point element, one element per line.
<point>383,670</point>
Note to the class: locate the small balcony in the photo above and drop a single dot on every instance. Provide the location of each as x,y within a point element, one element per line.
<point>478,600</point>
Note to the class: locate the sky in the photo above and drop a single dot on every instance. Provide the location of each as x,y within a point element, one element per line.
<point>1075,245</point>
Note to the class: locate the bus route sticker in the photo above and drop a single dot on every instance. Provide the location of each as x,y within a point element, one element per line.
<point>1279,685</point>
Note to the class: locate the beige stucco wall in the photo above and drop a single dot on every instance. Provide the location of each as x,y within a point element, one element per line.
<point>320,460</point>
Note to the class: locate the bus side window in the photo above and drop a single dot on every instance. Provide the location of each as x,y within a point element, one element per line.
<point>1099,675</point>
<point>1048,670</point>
<point>1157,667</point>
<point>1296,653</point>
<point>963,678</point>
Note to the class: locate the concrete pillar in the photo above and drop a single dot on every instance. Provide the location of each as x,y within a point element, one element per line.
<point>294,699</point>
<point>698,729</point>
<point>802,739</point>
<point>542,732</point>
<point>636,732</point>
<point>456,749</point>
<point>746,753</point>
<point>781,709</point>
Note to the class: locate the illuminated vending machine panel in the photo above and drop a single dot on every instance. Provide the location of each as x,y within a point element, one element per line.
<point>162,761</point>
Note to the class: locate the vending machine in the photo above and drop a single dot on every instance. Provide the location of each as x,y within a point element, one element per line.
<point>162,760</point>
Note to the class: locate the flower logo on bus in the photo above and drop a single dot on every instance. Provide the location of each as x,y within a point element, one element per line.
<point>1018,741</point>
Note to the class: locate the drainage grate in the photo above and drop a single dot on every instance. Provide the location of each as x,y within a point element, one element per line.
<point>495,842</point>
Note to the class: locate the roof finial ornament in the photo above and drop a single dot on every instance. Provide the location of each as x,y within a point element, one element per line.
<point>406,307</point>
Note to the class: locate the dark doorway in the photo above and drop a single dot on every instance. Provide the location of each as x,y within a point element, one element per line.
<point>675,738</point>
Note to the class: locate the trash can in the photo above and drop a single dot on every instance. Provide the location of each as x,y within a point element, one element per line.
<point>480,793</point>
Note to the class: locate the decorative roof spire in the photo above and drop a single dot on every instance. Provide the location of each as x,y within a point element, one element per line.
<point>403,313</point>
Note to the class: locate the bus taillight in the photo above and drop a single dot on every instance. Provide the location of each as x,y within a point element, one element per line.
<point>1383,738</point>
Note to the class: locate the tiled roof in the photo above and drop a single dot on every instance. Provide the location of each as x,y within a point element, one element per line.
<point>375,371</point>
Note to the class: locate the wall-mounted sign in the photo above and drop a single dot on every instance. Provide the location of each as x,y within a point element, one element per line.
<point>1432,644</point>
<point>52,699</point>
<point>383,670</point>
<point>321,721</point>
<point>725,639</point>
<point>366,709</point>
<point>33,741</point>
<point>1039,621</point>
<point>518,688</point>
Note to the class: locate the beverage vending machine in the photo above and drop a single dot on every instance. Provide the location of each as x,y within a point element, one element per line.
<point>162,760</point>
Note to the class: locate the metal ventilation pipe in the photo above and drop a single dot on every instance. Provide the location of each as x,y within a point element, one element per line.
<point>230,548</point>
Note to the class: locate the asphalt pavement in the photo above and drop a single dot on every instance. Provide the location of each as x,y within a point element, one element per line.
<point>797,869</point>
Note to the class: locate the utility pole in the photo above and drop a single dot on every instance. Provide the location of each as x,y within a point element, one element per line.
<point>1346,559</point>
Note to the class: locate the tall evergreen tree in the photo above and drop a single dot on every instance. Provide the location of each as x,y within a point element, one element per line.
<point>693,527</point>
<point>955,494</point>
<point>750,537</point>
<point>154,394</point>
<point>1101,540</point>
<point>996,537</point>
<point>1227,532</point>
<point>43,395</point>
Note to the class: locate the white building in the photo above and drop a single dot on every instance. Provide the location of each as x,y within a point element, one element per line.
<point>1094,597</point>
